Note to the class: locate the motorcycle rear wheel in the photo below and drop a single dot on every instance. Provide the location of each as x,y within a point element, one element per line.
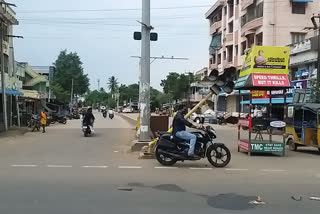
<point>218,156</point>
<point>164,159</point>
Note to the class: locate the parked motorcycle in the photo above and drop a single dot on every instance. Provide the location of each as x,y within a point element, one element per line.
<point>34,123</point>
<point>170,149</point>
<point>59,118</point>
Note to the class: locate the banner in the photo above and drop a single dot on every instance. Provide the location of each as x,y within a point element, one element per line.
<point>270,80</point>
<point>267,60</point>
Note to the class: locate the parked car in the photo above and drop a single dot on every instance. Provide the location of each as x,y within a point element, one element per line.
<point>127,110</point>
<point>208,116</point>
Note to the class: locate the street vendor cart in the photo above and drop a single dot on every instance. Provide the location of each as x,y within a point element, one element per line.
<point>257,144</point>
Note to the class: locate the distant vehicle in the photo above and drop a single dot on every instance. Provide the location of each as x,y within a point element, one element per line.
<point>208,116</point>
<point>127,110</point>
<point>102,108</point>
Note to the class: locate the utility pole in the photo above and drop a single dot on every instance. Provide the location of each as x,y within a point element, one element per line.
<point>98,84</point>
<point>71,97</point>
<point>3,82</point>
<point>145,74</point>
<point>316,26</point>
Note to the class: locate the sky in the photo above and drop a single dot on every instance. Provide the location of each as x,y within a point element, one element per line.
<point>104,39</point>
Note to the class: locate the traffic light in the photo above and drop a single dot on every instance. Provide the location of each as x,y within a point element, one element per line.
<point>138,36</point>
<point>223,82</point>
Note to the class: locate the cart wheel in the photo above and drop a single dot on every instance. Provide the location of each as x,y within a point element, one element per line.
<point>292,145</point>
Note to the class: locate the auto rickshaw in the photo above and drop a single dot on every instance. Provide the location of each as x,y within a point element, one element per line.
<point>303,128</point>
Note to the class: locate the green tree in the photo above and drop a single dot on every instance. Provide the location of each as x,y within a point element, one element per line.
<point>68,67</point>
<point>113,85</point>
<point>177,85</point>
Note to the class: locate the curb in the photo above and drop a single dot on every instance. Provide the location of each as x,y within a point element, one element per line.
<point>130,120</point>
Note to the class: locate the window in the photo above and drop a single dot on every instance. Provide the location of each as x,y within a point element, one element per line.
<point>224,55</point>
<point>211,61</point>
<point>6,63</point>
<point>230,53</point>
<point>225,10</point>
<point>253,12</point>
<point>236,49</point>
<point>231,27</point>
<point>243,47</point>
<point>237,2</point>
<point>259,39</point>
<point>298,7</point>
<point>230,10</point>
<point>219,59</point>
<point>214,59</point>
<point>297,37</point>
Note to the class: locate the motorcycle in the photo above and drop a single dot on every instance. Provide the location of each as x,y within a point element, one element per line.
<point>170,149</point>
<point>111,116</point>
<point>59,118</point>
<point>86,129</point>
<point>34,123</point>
<point>104,114</point>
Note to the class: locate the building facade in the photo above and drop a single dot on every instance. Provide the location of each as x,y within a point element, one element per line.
<point>48,71</point>
<point>11,83</point>
<point>236,26</point>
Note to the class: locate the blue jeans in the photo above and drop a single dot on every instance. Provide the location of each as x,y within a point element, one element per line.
<point>190,137</point>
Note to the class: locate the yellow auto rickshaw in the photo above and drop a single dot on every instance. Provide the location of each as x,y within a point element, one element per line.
<point>303,128</point>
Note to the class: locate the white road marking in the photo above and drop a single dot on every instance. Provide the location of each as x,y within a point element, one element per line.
<point>115,151</point>
<point>165,167</point>
<point>95,166</point>
<point>59,166</point>
<point>273,170</point>
<point>236,169</point>
<point>129,167</point>
<point>194,168</point>
<point>24,165</point>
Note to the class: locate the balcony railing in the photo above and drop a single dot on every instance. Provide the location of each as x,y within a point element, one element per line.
<point>215,26</point>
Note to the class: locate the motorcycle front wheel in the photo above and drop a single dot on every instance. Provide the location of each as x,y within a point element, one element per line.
<point>164,159</point>
<point>218,155</point>
<point>64,121</point>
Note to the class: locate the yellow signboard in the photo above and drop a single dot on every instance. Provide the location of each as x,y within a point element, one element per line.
<point>267,60</point>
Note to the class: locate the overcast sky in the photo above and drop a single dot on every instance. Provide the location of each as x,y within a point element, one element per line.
<point>103,39</point>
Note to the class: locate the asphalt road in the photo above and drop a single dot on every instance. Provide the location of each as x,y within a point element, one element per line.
<point>63,172</point>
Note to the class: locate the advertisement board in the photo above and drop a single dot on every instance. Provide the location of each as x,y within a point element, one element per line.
<point>270,80</point>
<point>266,60</point>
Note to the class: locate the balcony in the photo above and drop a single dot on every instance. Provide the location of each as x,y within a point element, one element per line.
<point>228,39</point>
<point>214,66</point>
<point>252,25</point>
<point>235,61</point>
<point>246,3</point>
<point>215,26</point>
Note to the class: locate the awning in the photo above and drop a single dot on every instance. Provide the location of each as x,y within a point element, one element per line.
<point>257,81</point>
<point>302,1</point>
<point>12,92</point>
<point>267,101</point>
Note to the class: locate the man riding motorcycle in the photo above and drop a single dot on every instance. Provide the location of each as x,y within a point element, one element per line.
<point>88,119</point>
<point>179,130</point>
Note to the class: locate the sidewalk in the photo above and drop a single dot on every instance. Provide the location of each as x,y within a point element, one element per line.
<point>13,133</point>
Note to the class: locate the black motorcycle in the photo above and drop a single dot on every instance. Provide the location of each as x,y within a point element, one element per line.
<point>170,149</point>
<point>59,118</point>
<point>111,116</point>
<point>104,114</point>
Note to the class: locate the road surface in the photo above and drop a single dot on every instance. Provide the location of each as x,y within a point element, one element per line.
<point>63,172</point>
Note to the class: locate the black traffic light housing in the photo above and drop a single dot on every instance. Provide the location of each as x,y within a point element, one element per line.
<point>138,36</point>
<point>223,82</point>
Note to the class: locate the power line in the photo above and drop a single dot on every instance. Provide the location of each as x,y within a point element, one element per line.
<point>111,10</point>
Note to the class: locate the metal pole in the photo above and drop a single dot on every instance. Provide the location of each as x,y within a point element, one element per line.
<point>71,97</point>
<point>3,86</point>
<point>318,69</point>
<point>145,74</point>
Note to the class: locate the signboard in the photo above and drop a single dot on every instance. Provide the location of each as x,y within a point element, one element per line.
<point>244,145</point>
<point>278,124</point>
<point>259,94</point>
<point>244,123</point>
<point>266,60</point>
<point>270,80</point>
<point>266,147</point>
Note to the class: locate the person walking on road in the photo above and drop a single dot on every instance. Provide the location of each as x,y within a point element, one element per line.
<point>43,120</point>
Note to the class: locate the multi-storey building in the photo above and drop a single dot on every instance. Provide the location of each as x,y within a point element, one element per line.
<point>237,25</point>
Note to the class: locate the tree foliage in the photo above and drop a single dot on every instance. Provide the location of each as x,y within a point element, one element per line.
<point>68,67</point>
<point>177,85</point>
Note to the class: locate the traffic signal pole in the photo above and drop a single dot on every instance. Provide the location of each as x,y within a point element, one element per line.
<point>144,96</point>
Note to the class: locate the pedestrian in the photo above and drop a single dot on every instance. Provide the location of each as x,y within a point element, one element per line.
<point>43,120</point>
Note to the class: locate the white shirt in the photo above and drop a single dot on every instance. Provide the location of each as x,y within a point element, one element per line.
<point>110,112</point>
